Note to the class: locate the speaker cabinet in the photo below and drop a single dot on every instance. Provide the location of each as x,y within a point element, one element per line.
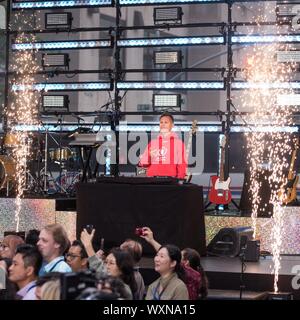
<point>229,241</point>
<point>252,251</point>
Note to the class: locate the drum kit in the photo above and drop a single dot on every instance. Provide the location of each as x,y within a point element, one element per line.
<point>39,180</point>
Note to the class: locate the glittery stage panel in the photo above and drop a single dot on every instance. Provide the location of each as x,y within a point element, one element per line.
<point>290,232</point>
<point>35,213</point>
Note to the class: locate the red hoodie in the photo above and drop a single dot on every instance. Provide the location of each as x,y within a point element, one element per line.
<point>165,156</point>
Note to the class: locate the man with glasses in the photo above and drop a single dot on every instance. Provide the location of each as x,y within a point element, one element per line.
<point>77,257</point>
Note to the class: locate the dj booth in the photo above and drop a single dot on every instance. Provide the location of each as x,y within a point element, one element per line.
<point>117,206</point>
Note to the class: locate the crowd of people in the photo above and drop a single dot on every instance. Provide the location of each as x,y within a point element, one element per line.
<point>44,264</point>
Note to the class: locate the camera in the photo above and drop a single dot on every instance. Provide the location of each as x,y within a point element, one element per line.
<point>139,231</point>
<point>73,283</point>
<point>89,228</point>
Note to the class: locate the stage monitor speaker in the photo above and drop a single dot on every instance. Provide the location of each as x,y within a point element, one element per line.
<point>265,209</point>
<point>252,251</point>
<point>228,241</point>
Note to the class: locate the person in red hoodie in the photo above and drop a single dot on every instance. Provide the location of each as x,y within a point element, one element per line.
<point>165,155</point>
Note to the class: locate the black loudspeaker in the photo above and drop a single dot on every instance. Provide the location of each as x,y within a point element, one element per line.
<point>252,251</point>
<point>228,241</point>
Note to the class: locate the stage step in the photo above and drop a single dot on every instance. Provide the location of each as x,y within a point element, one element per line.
<point>216,294</point>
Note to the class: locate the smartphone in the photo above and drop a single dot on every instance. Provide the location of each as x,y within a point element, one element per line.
<point>89,228</point>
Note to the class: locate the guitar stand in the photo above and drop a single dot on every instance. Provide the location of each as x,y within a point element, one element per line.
<point>217,205</point>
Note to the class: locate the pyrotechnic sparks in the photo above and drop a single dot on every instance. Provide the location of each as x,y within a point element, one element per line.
<point>22,110</point>
<point>268,153</point>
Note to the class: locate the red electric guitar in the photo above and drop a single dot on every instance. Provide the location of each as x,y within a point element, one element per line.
<point>219,192</point>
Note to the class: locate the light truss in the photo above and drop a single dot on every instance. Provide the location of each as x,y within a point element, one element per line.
<point>178,41</point>
<point>54,45</point>
<point>78,86</point>
<point>272,38</point>
<point>60,4</point>
<point>151,2</point>
<point>241,85</point>
<point>164,85</point>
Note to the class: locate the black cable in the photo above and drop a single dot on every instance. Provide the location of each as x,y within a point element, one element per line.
<point>245,122</point>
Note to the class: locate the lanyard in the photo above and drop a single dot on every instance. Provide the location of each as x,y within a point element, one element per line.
<point>59,261</point>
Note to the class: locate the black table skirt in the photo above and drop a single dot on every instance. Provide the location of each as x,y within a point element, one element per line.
<point>173,212</point>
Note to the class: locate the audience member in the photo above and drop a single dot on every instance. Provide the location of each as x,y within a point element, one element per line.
<point>9,293</point>
<point>50,290</point>
<point>8,246</point>
<point>136,251</point>
<point>170,285</point>
<point>53,243</point>
<point>32,237</point>
<point>133,247</point>
<point>195,279</point>
<point>24,270</point>
<point>119,264</point>
<point>191,259</point>
<point>51,276</point>
<point>95,262</point>
<point>77,257</point>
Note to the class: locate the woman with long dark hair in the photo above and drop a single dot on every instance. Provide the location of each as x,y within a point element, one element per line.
<point>191,259</point>
<point>119,263</point>
<point>170,285</point>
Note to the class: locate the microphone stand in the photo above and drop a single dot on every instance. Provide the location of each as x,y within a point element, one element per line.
<point>243,247</point>
<point>46,161</point>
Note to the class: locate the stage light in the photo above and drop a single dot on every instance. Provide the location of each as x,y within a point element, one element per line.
<point>53,45</point>
<point>182,41</point>
<point>240,85</point>
<point>285,12</point>
<point>78,86</point>
<point>61,20</point>
<point>60,4</point>
<point>288,99</point>
<point>167,57</point>
<point>55,103</point>
<point>180,85</point>
<point>267,128</point>
<point>151,2</point>
<point>151,128</point>
<point>168,15</point>
<point>288,56</point>
<point>55,60</point>
<point>253,39</point>
<point>166,101</point>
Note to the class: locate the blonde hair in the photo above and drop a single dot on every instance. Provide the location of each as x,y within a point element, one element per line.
<point>50,290</point>
<point>59,235</point>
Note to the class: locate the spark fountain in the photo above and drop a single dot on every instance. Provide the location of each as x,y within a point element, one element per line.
<point>268,152</point>
<point>22,110</point>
